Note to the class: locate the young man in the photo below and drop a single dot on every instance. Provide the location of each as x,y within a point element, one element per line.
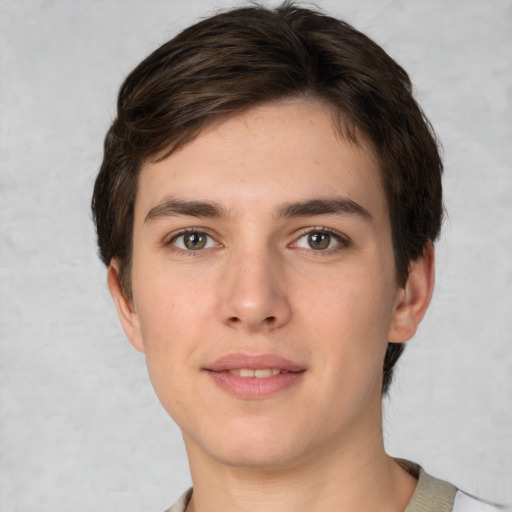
<point>267,207</point>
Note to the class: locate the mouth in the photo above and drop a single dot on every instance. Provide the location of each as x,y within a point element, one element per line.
<point>252,377</point>
<point>259,373</point>
<point>259,365</point>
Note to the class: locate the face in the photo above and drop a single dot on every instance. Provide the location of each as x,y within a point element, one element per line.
<point>264,289</point>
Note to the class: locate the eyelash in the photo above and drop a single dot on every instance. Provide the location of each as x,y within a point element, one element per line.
<point>342,240</point>
<point>188,231</point>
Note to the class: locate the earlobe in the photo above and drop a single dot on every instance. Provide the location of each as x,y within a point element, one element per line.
<point>125,308</point>
<point>413,299</point>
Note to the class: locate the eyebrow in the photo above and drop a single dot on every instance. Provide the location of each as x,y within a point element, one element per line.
<point>177,207</point>
<point>332,205</point>
<point>309,207</point>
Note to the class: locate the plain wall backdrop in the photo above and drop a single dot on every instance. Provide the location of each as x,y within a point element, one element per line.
<point>80,427</point>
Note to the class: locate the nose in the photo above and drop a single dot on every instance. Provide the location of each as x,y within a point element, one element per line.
<point>254,295</point>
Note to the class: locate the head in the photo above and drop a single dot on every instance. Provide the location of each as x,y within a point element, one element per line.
<point>234,61</point>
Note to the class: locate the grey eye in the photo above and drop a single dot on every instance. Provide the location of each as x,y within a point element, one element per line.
<point>193,241</point>
<point>319,241</point>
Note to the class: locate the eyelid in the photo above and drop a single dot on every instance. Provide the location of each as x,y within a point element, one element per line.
<point>171,238</point>
<point>344,240</point>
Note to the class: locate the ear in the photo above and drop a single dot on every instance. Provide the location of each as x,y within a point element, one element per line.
<point>125,308</point>
<point>413,298</point>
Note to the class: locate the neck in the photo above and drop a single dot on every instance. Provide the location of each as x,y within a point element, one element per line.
<point>354,474</point>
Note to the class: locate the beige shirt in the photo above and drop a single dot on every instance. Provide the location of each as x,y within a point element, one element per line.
<point>431,495</point>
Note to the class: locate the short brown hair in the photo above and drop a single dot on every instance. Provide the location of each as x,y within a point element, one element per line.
<point>237,59</point>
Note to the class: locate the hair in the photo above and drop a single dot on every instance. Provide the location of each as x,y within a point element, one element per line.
<point>240,58</point>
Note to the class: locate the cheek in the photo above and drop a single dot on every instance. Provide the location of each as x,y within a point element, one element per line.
<point>169,341</point>
<point>169,306</point>
<point>175,319</point>
<point>350,319</point>
<point>163,322</point>
<point>353,305</point>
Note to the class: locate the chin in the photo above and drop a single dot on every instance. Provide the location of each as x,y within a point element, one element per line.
<point>261,445</point>
<point>259,458</point>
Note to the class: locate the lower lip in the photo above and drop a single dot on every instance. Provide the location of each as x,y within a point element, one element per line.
<point>253,388</point>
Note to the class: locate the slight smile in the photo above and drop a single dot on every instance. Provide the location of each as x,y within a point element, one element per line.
<point>260,373</point>
<point>252,377</point>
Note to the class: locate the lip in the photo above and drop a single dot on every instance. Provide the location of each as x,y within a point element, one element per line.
<point>253,362</point>
<point>253,388</point>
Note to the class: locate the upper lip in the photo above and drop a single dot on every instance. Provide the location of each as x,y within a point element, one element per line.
<point>253,362</point>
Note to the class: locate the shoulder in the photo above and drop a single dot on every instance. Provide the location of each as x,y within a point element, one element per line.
<point>466,503</point>
<point>181,504</point>
<point>433,494</point>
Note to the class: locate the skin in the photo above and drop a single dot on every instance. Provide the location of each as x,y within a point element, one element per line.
<point>258,287</point>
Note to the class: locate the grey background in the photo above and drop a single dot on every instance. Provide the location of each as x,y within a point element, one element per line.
<point>80,427</point>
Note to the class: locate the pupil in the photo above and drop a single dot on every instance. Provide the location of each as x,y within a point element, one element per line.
<point>195,241</point>
<point>319,240</point>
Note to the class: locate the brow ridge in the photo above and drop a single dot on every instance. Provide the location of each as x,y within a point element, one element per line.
<point>324,206</point>
<point>310,207</point>
<point>175,207</point>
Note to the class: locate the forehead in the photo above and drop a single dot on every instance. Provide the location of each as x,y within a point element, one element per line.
<point>273,153</point>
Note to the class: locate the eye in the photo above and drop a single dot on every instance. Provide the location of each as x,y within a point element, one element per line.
<point>320,240</point>
<point>192,241</point>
